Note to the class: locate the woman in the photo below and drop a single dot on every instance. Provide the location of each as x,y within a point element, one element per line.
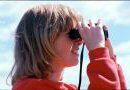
<point>43,50</point>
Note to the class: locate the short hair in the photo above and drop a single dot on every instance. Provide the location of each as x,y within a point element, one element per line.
<point>34,38</point>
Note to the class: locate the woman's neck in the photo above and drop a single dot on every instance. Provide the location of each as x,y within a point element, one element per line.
<point>57,73</point>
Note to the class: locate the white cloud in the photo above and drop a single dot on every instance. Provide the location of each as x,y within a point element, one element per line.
<point>110,11</point>
<point>106,10</point>
<point>6,63</point>
<point>123,48</point>
<point>124,61</point>
<point>7,33</point>
<point>123,58</point>
<point>6,60</point>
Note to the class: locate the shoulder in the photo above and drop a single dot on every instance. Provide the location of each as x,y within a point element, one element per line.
<point>30,84</point>
<point>40,84</point>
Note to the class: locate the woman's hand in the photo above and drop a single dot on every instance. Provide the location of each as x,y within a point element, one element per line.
<point>92,36</point>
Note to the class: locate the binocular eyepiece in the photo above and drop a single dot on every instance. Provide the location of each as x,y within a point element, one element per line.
<point>105,30</point>
<point>74,34</point>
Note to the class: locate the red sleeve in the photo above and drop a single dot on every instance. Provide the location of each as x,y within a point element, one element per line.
<point>41,84</point>
<point>102,71</point>
<point>120,73</point>
<point>122,78</point>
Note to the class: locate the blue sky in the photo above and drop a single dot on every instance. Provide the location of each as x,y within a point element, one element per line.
<point>115,14</point>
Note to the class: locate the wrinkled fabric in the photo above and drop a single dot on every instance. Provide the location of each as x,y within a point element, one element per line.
<point>103,72</point>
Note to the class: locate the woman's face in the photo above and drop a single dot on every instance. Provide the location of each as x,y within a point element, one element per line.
<point>66,51</point>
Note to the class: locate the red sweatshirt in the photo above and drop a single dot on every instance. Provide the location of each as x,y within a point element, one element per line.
<point>104,74</point>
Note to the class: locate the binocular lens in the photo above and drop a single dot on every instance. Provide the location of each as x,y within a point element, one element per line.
<point>74,34</point>
<point>105,29</point>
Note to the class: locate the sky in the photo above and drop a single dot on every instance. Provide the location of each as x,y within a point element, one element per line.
<point>115,14</point>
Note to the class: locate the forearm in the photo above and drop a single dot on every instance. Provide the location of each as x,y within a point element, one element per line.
<point>113,57</point>
<point>102,71</point>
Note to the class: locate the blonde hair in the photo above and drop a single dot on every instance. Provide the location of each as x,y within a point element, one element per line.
<point>35,35</point>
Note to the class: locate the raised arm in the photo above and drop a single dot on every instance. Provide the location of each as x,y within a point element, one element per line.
<point>113,57</point>
<point>102,70</point>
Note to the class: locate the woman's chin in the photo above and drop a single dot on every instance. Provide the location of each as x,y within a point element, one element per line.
<point>73,63</point>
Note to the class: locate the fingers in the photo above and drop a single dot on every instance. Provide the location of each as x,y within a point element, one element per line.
<point>90,23</point>
<point>91,35</point>
<point>98,22</point>
<point>81,26</point>
<point>83,30</point>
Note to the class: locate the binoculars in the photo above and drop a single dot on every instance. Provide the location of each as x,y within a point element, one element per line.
<point>74,33</point>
